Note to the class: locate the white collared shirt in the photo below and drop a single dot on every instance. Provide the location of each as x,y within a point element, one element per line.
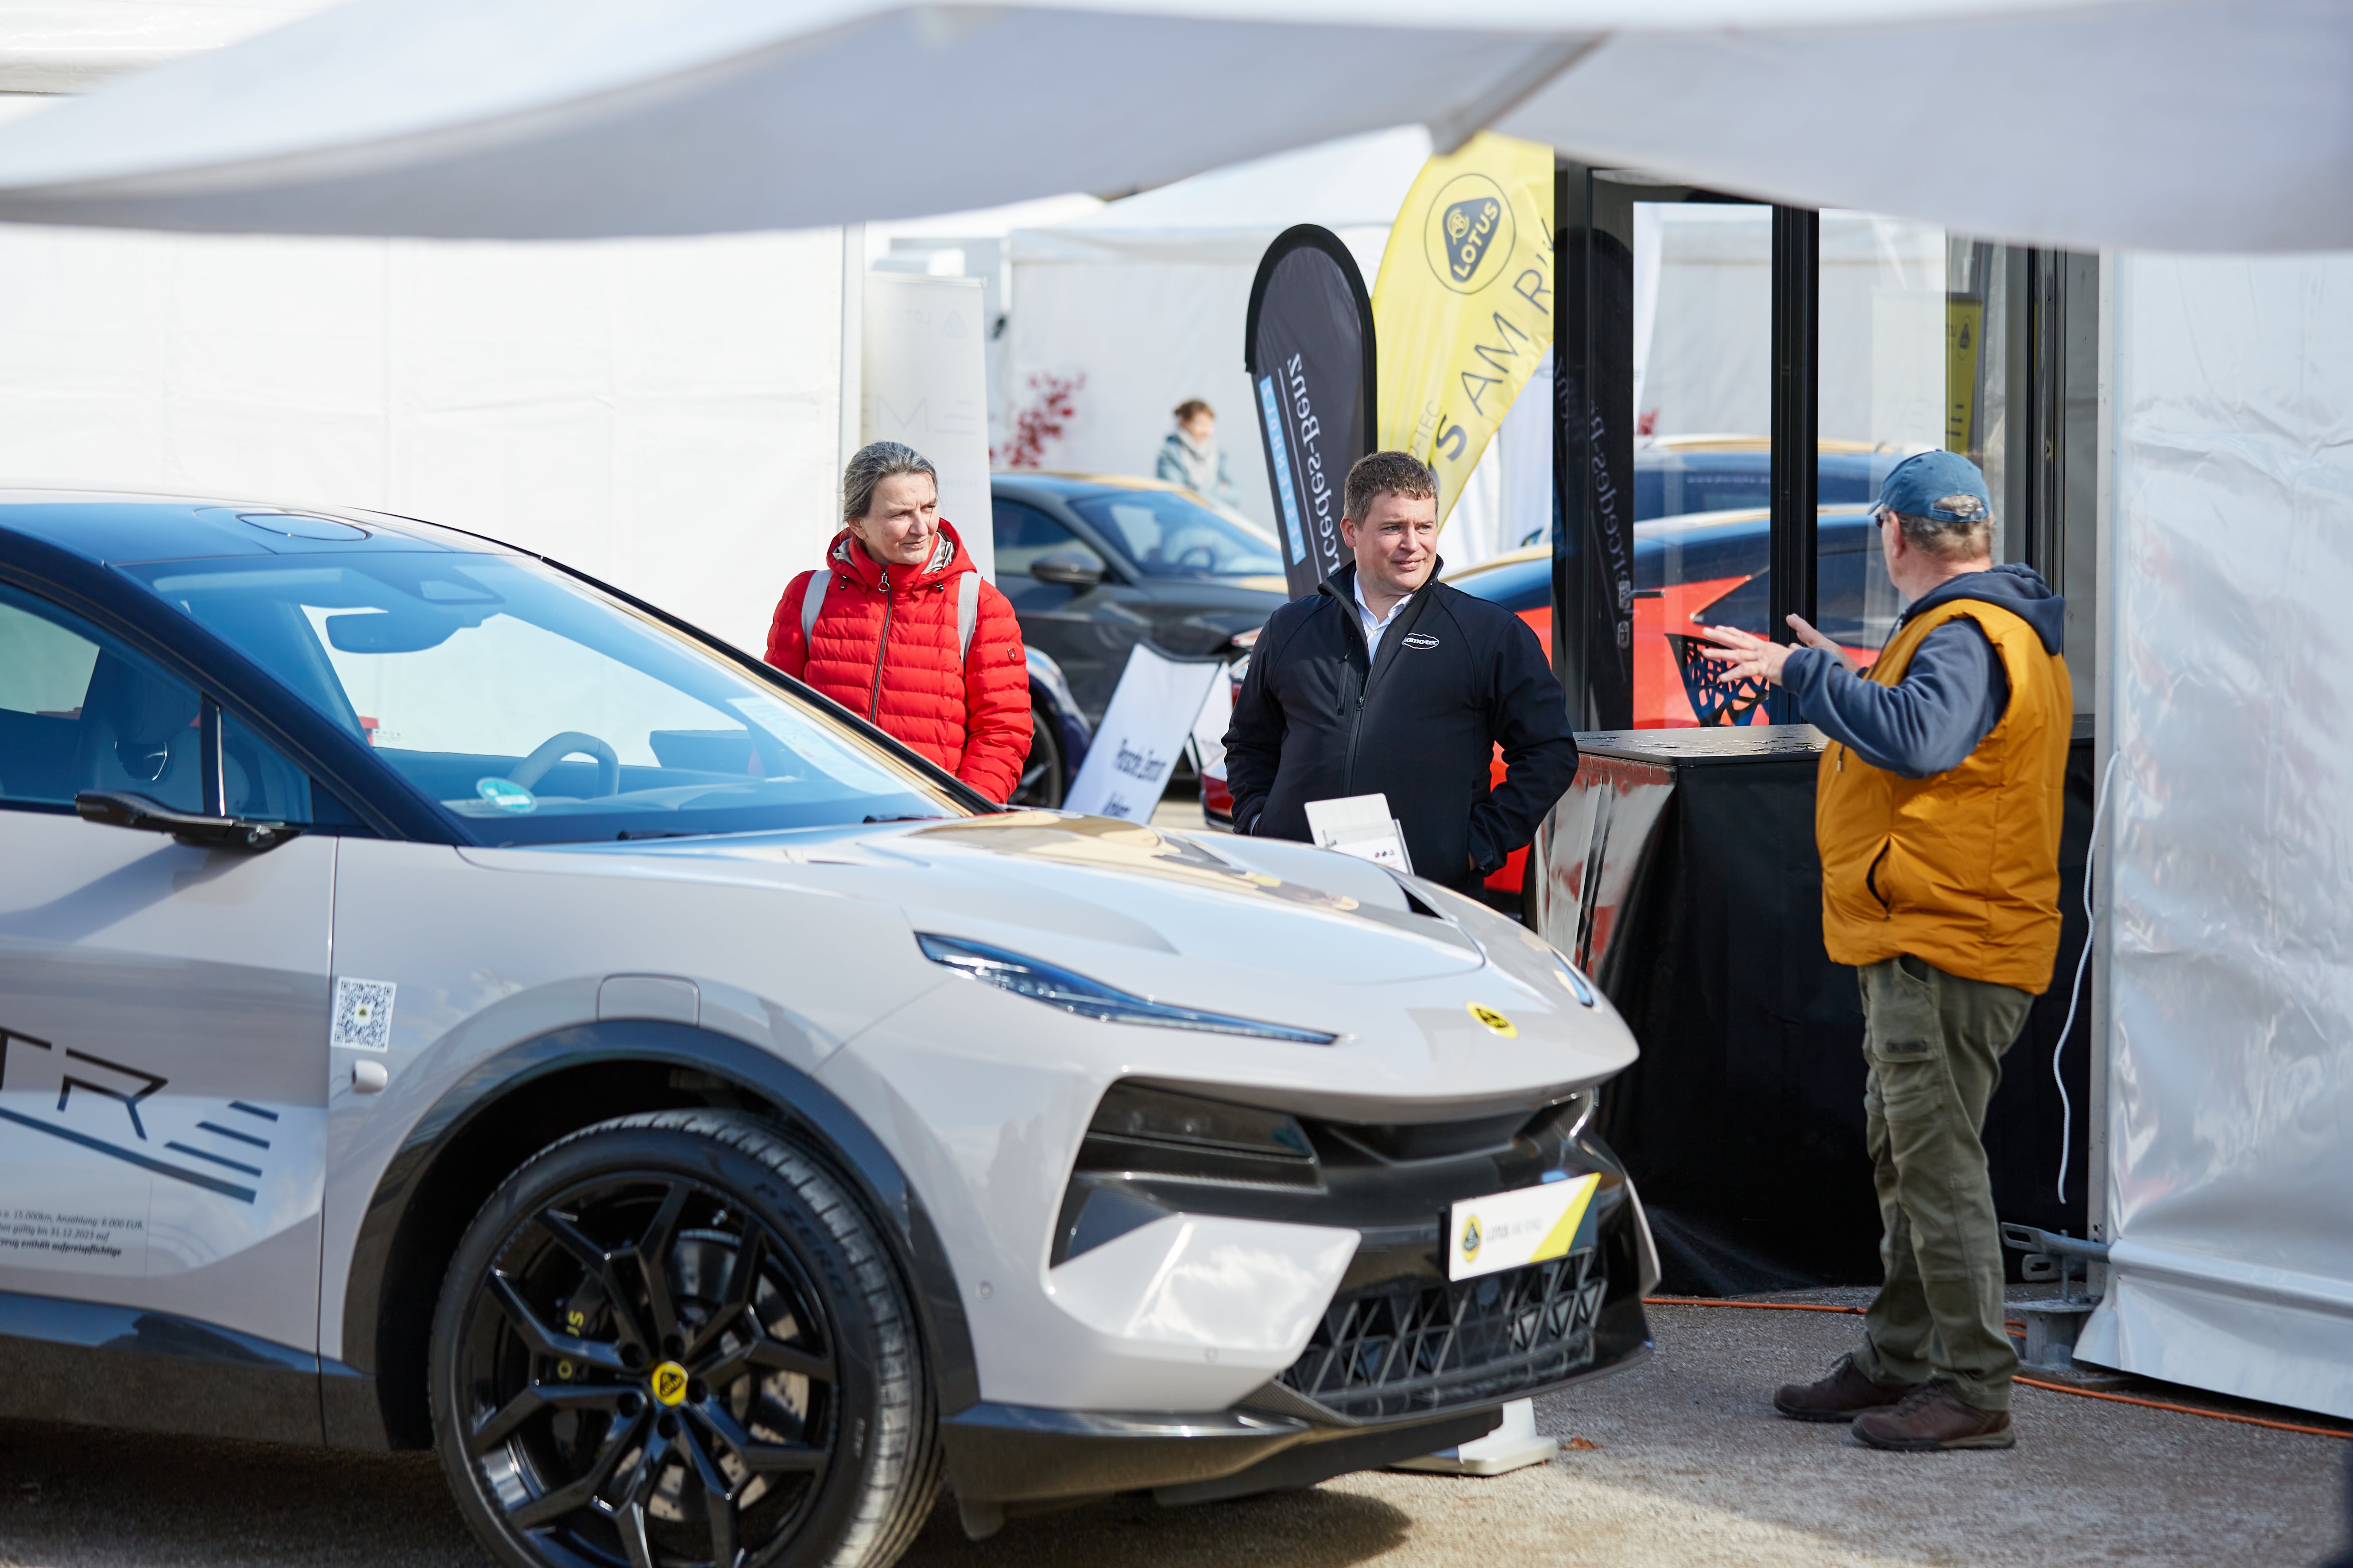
<point>1373,628</point>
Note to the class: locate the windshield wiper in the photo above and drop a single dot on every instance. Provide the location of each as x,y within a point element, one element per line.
<point>915,816</point>
<point>657,833</point>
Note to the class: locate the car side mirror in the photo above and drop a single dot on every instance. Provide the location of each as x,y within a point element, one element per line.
<point>120,808</point>
<point>1070,568</point>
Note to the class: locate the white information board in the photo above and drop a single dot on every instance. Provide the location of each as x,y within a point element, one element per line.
<point>923,380</point>
<point>1142,735</point>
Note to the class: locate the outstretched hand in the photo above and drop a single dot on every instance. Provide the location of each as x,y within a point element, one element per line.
<point>1745,655</point>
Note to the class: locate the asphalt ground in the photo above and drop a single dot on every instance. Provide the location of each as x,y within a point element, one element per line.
<point>1681,1464</point>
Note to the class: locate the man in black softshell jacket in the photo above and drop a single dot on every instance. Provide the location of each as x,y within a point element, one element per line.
<point>1386,681</point>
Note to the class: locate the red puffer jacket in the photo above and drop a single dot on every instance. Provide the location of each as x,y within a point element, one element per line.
<point>885,646</point>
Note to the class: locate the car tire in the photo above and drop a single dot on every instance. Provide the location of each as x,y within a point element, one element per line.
<point>776,1415</point>
<point>1042,784</point>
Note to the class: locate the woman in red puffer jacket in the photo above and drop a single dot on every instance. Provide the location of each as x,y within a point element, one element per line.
<point>899,588</point>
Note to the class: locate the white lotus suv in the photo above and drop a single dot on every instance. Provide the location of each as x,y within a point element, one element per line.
<point>445,1001</point>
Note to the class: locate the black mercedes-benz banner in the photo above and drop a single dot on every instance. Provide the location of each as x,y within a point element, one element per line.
<point>1308,346</point>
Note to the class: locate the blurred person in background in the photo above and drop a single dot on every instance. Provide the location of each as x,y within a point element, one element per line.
<point>1189,457</point>
<point>900,627</point>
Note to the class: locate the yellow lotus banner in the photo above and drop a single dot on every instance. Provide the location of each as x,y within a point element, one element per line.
<point>1462,311</point>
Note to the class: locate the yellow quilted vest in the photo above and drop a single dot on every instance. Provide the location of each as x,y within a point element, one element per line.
<point>1960,869</point>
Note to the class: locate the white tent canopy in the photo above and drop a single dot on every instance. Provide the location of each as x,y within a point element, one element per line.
<point>2180,125</point>
<point>71,46</point>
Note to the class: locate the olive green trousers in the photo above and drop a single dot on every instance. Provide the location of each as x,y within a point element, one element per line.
<point>1933,1042</point>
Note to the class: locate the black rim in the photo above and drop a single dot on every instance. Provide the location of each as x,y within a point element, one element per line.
<point>646,1376</point>
<point>1041,776</point>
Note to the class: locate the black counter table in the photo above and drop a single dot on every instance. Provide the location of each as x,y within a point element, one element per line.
<point>1680,870</point>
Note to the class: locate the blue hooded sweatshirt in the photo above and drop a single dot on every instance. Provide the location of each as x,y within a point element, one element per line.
<point>1951,696</point>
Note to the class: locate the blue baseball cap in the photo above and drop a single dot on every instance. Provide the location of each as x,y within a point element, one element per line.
<point>1942,485</point>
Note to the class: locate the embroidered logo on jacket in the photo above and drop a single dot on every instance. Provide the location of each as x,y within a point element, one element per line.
<point>1421,639</point>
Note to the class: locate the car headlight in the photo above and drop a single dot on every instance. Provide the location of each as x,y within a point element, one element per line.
<point>1059,987</point>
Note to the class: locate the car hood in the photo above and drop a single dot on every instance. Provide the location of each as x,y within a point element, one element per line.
<point>1283,911</point>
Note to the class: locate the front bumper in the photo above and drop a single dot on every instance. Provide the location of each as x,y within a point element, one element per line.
<point>1010,1454</point>
<point>1400,1361</point>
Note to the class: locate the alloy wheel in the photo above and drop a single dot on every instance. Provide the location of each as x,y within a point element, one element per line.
<point>648,1377</point>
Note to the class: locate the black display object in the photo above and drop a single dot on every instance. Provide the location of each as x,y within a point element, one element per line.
<point>1308,346</point>
<point>1684,871</point>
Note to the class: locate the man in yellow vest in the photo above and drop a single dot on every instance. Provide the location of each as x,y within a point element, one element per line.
<point>1936,811</point>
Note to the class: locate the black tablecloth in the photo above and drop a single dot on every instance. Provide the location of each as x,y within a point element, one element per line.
<point>1682,870</point>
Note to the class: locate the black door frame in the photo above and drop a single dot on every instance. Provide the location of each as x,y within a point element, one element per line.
<point>1593,417</point>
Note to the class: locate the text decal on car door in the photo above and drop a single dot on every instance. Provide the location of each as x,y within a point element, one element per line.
<point>98,1078</point>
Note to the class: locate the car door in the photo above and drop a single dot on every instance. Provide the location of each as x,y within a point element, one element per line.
<point>164,1009</point>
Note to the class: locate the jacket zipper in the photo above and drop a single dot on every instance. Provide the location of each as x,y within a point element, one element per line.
<point>1357,721</point>
<point>881,646</point>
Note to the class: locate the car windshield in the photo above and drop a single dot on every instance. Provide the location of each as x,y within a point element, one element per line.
<point>536,710</point>
<point>1168,533</point>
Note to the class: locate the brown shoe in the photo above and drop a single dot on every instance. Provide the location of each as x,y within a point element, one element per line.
<point>1931,1417</point>
<point>1842,1395</point>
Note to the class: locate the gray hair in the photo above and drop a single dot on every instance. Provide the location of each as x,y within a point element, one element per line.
<point>1956,541</point>
<point>874,464</point>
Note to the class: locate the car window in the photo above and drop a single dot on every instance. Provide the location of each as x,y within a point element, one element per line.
<point>534,709</point>
<point>1023,533</point>
<point>1168,534</point>
<point>79,710</point>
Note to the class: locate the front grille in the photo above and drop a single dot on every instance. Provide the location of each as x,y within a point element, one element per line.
<point>1408,1348</point>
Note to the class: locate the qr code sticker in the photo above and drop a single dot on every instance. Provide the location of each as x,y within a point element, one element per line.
<point>362,1014</point>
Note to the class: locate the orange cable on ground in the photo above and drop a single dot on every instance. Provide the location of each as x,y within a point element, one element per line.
<point>2030,1382</point>
<point>2187,1409</point>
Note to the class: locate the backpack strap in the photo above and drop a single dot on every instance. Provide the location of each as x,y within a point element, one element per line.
<point>812,603</point>
<point>967,612</point>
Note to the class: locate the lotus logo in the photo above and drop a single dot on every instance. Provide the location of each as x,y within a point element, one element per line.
<point>1493,1020</point>
<point>1470,233</point>
<point>1472,1237</point>
<point>669,1383</point>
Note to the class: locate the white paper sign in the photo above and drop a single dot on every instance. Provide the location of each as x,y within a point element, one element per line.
<point>1359,824</point>
<point>1142,735</point>
<point>923,380</point>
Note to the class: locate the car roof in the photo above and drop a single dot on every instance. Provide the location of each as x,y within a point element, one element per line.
<point>1076,484</point>
<point>1828,446</point>
<point>1707,544</point>
<point>115,527</point>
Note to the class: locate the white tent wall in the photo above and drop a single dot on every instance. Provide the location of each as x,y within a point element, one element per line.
<point>1144,336</point>
<point>661,413</point>
<point>2229,937</point>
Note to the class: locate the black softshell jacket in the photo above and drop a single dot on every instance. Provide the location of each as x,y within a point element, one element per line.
<point>1457,677</point>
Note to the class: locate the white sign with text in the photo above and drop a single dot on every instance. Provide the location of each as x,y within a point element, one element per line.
<point>1142,735</point>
